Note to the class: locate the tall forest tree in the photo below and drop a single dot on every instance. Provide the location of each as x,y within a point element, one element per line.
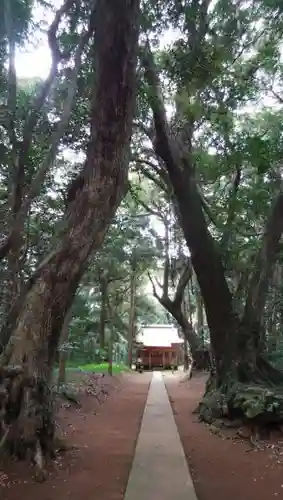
<point>234,339</point>
<point>215,162</point>
<point>98,190</point>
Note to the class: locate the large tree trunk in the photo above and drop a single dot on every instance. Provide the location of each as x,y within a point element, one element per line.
<point>63,353</point>
<point>235,362</point>
<point>205,257</point>
<point>207,265</point>
<point>263,271</point>
<point>200,319</point>
<point>34,341</point>
<point>186,356</point>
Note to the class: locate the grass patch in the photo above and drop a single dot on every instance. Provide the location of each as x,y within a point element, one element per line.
<point>75,372</point>
<point>102,368</point>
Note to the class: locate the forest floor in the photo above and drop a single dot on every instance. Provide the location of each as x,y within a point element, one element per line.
<point>223,464</point>
<point>103,436</point>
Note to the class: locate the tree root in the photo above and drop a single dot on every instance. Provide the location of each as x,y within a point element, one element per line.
<point>69,396</point>
<point>40,473</point>
<point>259,399</point>
<point>62,446</point>
<point>188,375</point>
<point>4,437</point>
<point>243,402</point>
<point>27,427</point>
<point>256,402</point>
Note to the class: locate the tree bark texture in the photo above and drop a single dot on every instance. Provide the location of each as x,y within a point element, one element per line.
<point>132,316</point>
<point>105,174</point>
<point>200,319</point>
<point>263,271</point>
<point>34,341</point>
<point>63,354</point>
<point>103,311</point>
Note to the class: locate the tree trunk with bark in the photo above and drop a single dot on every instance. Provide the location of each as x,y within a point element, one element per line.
<point>200,319</point>
<point>110,351</point>
<point>63,353</point>
<point>176,305</point>
<point>186,356</point>
<point>244,383</point>
<point>264,268</point>
<point>180,316</point>
<point>103,310</point>
<point>132,316</point>
<point>35,337</point>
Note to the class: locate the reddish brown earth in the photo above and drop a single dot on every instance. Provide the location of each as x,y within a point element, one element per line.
<point>104,436</point>
<point>222,466</point>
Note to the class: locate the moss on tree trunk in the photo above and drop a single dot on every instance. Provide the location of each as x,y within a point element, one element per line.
<point>248,391</point>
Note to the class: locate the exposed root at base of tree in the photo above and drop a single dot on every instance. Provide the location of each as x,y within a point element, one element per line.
<point>245,395</point>
<point>68,395</point>
<point>27,414</point>
<point>188,374</point>
<point>27,427</point>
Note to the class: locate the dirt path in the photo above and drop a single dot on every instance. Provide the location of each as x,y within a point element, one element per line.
<point>224,469</point>
<point>105,437</point>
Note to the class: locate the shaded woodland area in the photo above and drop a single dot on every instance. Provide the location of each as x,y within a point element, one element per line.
<point>149,158</point>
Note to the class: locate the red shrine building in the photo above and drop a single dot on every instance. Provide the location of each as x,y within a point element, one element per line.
<point>159,347</point>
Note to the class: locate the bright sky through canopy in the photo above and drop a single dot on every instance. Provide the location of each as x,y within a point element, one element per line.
<point>36,61</point>
<point>34,64</point>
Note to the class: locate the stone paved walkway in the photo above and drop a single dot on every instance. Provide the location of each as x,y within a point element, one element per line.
<point>159,470</point>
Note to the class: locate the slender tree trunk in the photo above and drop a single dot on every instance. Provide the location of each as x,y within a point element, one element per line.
<point>177,311</point>
<point>110,351</point>
<point>34,341</point>
<point>103,310</point>
<point>176,306</point>
<point>280,304</point>
<point>132,317</point>
<point>188,357</point>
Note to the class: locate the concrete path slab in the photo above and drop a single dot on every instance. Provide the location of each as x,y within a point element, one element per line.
<point>159,469</point>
